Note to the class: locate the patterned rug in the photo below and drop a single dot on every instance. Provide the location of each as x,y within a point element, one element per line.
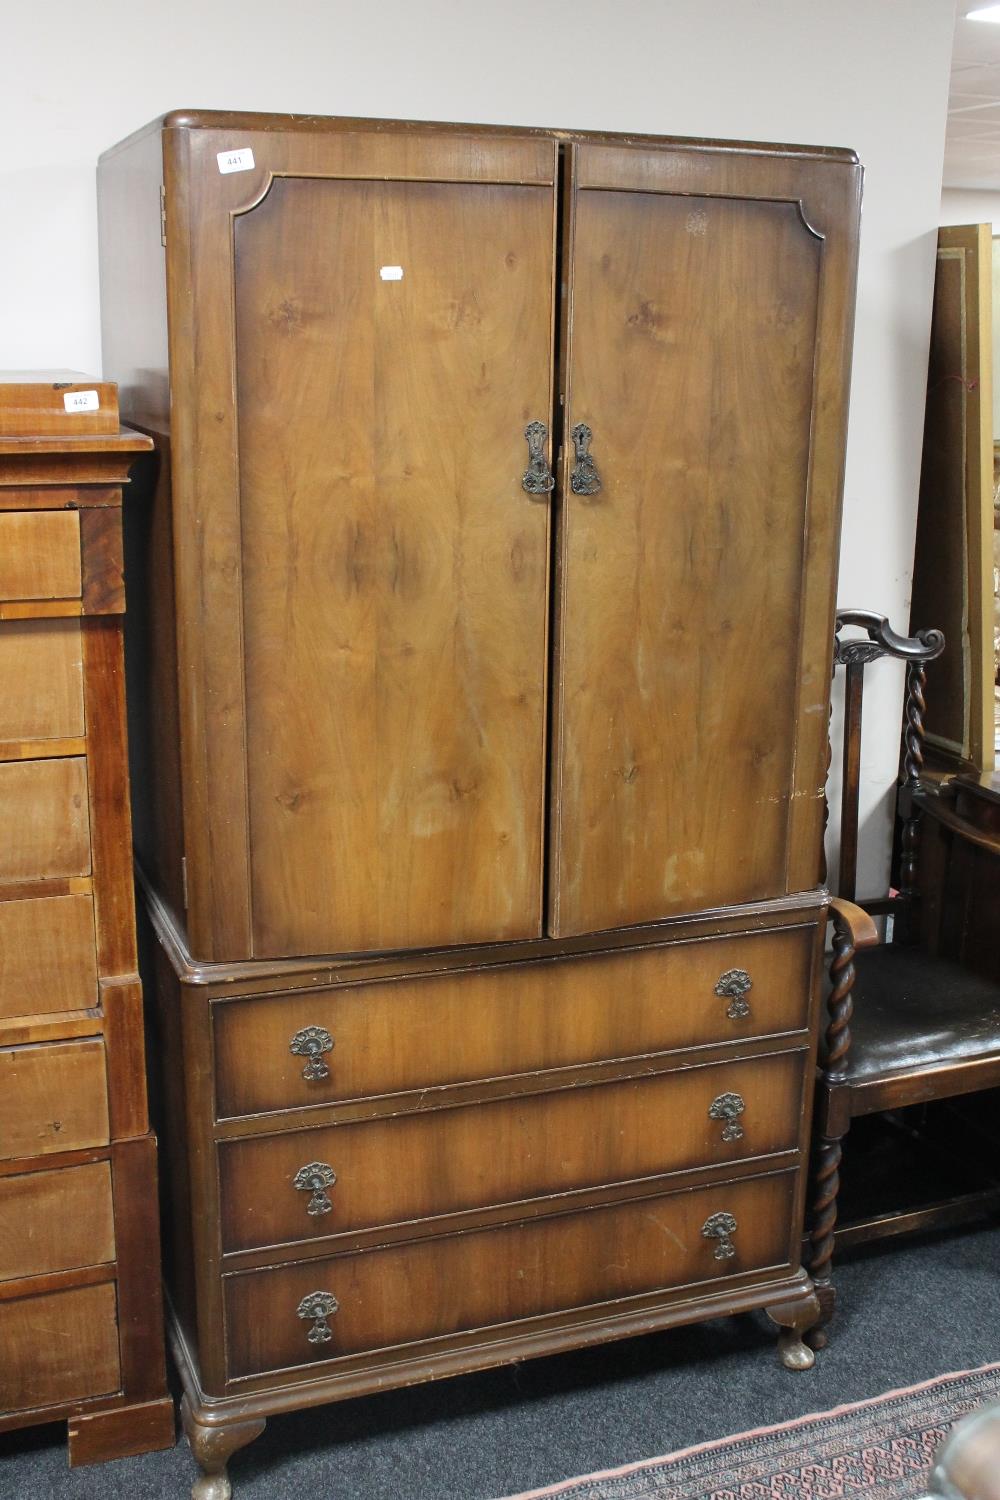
<point>873,1450</point>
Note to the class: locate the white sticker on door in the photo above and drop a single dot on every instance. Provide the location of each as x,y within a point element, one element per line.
<point>81,401</point>
<point>236,161</point>
<point>391,273</point>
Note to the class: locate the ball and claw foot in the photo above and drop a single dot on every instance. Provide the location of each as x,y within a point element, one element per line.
<point>795,1319</point>
<point>213,1446</point>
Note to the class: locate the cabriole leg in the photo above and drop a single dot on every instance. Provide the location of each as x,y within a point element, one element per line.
<point>213,1446</point>
<point>794,1319</point>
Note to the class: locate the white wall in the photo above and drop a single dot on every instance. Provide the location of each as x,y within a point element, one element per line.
<point>970,206</point>
<point>872,74</point>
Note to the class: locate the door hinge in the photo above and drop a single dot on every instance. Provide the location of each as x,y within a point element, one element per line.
<point>163,214</point>
<point>184,880</point>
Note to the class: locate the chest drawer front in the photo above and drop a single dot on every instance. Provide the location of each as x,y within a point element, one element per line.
<point>48,955</point>
<point>40,555</point>
<point>44,819</point>
<point>435,1288</point>
<point>59,1347</point>
<point>41,668</point>
<point>56,1221</point>
<point>397,1035</point>
<point>278,1189</point>
<point>53,1097</point>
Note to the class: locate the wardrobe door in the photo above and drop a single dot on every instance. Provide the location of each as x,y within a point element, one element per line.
<point>392,336</point>
<point>708,357</point>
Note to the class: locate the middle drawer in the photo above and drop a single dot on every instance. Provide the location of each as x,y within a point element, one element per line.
<point>306,1184</point>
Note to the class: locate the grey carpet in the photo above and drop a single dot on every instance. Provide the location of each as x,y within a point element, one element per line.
<point>909,1311</point>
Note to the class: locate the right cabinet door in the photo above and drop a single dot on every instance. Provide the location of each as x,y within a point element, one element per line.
<point>707,352</point>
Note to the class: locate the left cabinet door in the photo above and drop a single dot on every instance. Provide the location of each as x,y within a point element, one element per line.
<point>391,337</point>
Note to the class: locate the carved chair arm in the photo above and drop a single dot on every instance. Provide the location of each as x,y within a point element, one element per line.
<point>857,923</point>
<point>936,807</point>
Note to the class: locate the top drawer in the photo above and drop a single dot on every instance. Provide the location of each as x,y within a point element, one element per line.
<point>391,1036</point>
<point>40,555</point>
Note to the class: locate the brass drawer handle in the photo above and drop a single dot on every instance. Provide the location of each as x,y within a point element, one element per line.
<point>537,478</point>
<point>721,1227</point>
<point>584,479</point>
<point>315,1179</point>
<point>318,1306</point>
<point>726,1107</point>
<point>311,1042</point>
<point>735,984</point>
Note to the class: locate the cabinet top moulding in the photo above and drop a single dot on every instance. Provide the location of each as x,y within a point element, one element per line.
<point>221,119</point>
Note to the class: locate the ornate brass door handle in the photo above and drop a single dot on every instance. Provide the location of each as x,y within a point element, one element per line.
<point>318,1306</point>
<point>315,1178</point>
<point>537,478</point>
<point>721,1227</point>
<point>311,1043</point>
<point>584,480</point>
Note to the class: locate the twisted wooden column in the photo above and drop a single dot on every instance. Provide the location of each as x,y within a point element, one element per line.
<point>827,1148</point>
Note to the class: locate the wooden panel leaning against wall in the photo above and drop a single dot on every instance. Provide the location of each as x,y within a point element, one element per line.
<point>483,878</point>
<point>953,588</point>
<point>81,1323</point>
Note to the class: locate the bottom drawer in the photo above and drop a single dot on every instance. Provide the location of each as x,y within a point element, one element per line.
<point>59,1347</point>
<point>56,1221</point>
<point>434,1288</point>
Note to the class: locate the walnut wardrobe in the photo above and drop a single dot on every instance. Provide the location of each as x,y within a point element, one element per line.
<point>482,624</point>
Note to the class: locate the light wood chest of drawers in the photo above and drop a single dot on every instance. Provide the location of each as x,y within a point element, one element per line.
<point>80,1316</point>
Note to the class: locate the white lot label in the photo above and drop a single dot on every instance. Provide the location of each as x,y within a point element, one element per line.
<point>81,401</point>
<point>236,161</point>
<point>391,273</point>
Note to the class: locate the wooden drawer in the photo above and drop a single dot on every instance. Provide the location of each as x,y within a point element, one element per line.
<point>40,555</point>
<point>53,1097</point>
<point>443,1161</point>
<point>44,819</point>
<point>41,668</point>
<point>59,1347</point>
<point>434,1288</point>
<point>56,1221</point>
<point>48,956</point>
<point>391,1036</point>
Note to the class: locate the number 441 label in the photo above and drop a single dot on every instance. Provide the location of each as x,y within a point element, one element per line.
<point>236,161</point>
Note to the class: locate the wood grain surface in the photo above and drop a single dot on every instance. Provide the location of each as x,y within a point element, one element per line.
<point>508,1020</point>
<point>692,347</point>
<point>394,571</point>
<point>40,555</point>
<point>58,1346</point>
<point>44,822</point>
<point>41,667</point>
<point>54,1221</point>
<point>53,1097</point>
<point>48,959</point>
<point>438,1287</point>
<point>418,1166</point>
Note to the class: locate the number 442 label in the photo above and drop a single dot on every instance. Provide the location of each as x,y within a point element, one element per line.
<point>236,161</point>
<point>81,401</point>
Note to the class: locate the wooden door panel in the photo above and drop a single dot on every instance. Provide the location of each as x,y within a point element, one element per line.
<point>693,340</point>
<point>394,571</point>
